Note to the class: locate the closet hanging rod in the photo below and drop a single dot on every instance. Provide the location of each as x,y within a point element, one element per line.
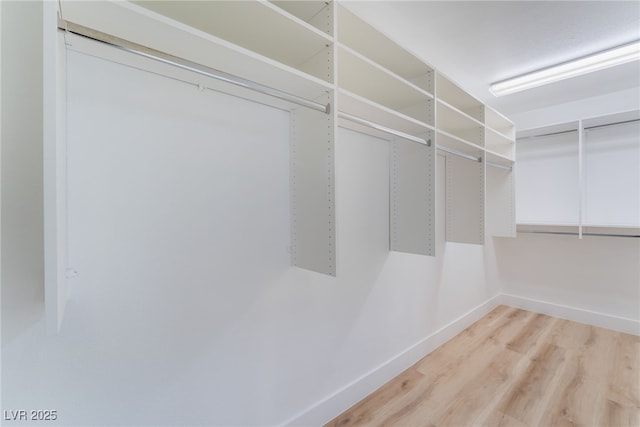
<point>624,122</point>
<point>458,153</point>
<point>184,64</point>
<point>499,166</point>
<point>384,129</point>
<point>575,233</point>
<point>470,157</point>
<point>548,134</point>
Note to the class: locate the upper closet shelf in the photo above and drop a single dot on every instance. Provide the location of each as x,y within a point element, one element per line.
<point>258,26</point>
<point>361,76</point>
<point>142,26</point>
<point>498,159</point>
<point>361,37</point>
<point>318,13</point>
<point>452,142</point>
<point>499,123</point>
<point>548,130</point>
<point>500,144</point>
<point>457,98</point>
<point>356,105</point>
<point>450,120</point>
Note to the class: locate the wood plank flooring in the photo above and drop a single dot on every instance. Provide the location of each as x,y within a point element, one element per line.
<point>514,368</point>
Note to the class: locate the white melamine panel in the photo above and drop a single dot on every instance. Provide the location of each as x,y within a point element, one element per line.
<point>412,205</point>
<point>361,37</point>
<point>450,120</point>
<point>363,108</point>
<point>54,170</point>
<point>450,93</point>
<point>313,190</point>
<point>500,209</point>
<point>499,144</point>
<point>612,175</point>
<point>363,77</point>
<point>465,200</point>
<point>499,123</point>
<point>547,180</point>
<point>318,13</point>
<point>257,26</point>
<point>498,160</point>
<point>142,26</point>
<point>455,143</point>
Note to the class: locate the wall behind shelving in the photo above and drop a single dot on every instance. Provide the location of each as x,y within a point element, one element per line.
<point>597,277</point>
<point>611,103</point>
<point>22,188</point>
<point>168,335</point>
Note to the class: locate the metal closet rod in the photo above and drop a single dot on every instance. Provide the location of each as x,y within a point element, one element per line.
<point>458,153</point>
<point>165,58</point>
<point>624,122</point>
<point>470,157</point>
<point>427,142</point>
<point>499,166</point>
<point>575,233</point>
<point>384,129</point>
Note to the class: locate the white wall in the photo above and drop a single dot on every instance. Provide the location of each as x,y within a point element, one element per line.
<point>22,217</point>
<point>594,280</point>
<point>611,103</point>
<point>184,317</point>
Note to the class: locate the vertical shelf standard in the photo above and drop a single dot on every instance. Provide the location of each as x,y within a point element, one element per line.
<point>465,200</point>
<point>412,210</point>
<point>500,209</point>
<point>313,243</point>
<point>480,194</point>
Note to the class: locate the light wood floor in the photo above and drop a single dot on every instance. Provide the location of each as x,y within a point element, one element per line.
<point>514,368</point>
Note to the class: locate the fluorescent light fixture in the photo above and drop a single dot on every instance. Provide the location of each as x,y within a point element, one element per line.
<point>608,58</point>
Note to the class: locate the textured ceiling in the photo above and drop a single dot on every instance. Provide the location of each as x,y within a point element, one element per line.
<point>476,43</point>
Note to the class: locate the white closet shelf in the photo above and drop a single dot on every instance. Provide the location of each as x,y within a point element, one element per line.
<point>498,158</point>
<point>141,26</point>
<point>317,13</point>
<point>351,103</point>
<point>460,112</point>
<point>457,98</point>
<point>547,130</point>
<point>614,229</point>
<point>550,225</point>
<point>612,118</point>
<point>611,230</point>
<point>498,143</point>
<point>452,121</point>
<point>362,37</point>
<point>498,123</point>
<point>447,140</point>
<point>574,229</point>
<point>363,77</point>
<point>258,26</point>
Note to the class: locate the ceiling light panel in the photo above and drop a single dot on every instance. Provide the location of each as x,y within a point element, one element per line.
<point>606,59</point>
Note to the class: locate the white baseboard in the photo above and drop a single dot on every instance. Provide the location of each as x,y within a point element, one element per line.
<point>332,406</point>
<point>621,324</point>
